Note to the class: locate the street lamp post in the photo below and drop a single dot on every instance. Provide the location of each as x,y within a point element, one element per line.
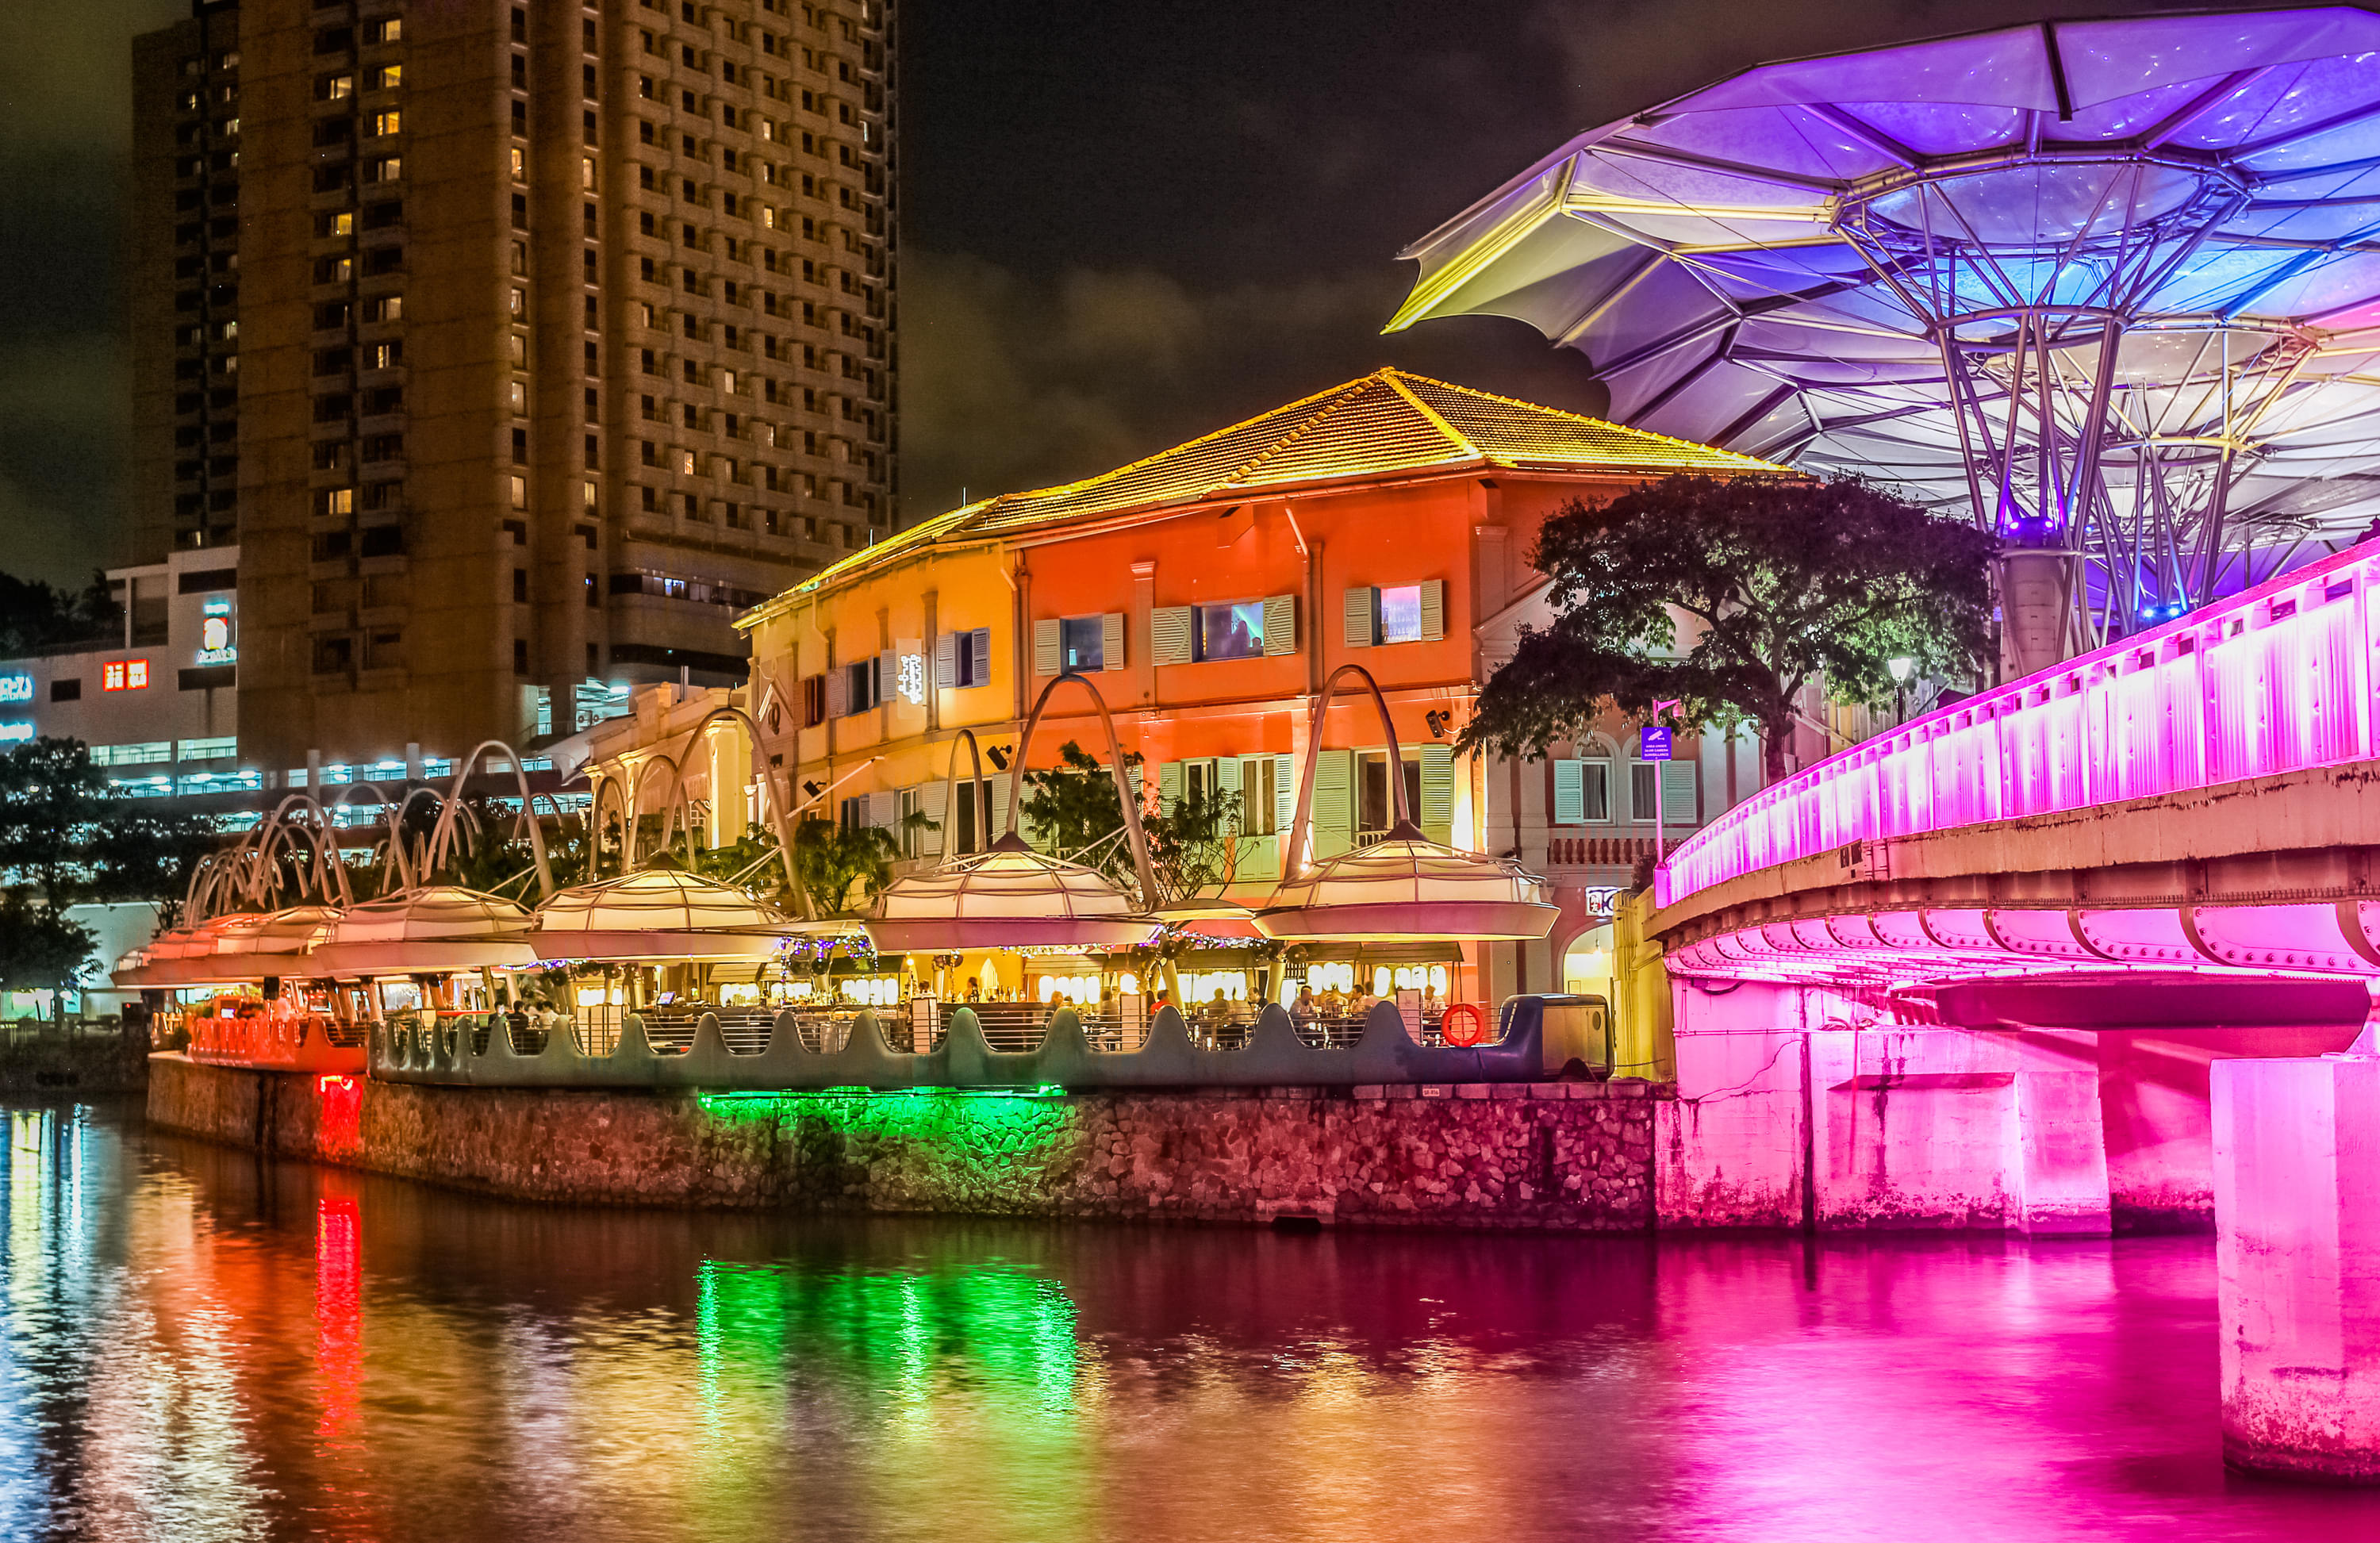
<point>1901,670</point>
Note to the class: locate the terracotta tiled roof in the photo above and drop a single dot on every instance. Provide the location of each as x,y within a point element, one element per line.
<point>1382,424</point>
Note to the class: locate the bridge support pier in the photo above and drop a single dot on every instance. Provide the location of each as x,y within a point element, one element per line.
<point>1798,1106</point>
<point>2297,1208</point>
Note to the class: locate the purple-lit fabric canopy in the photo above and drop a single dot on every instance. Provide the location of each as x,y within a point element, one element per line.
<point>2114,286</point>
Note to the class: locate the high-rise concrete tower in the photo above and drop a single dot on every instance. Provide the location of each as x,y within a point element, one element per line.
<point>562,331</point>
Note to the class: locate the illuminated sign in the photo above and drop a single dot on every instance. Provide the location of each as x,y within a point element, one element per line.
<point>912,679</point>
<point>13,734</point>
<point>16,688</point>
<point>124,674</point>
<point>1599,900</point>
<point>1653,745</point>
<point>215,639</point>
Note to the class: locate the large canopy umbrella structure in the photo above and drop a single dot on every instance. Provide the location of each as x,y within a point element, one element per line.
<point>1404,888</point>
<point>1009,896</point>
<point>436,930</point>
<point>654,915</point>
<point>2111,288</point>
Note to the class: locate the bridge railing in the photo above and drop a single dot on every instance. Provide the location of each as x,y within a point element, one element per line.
<point>2278,678</point>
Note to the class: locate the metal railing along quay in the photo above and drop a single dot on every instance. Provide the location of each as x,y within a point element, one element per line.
<point>795,1051</point>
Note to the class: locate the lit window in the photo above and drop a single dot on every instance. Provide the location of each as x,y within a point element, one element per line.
<point>1235,631</point>
<point>520,493</point>
<point>388,77</point>
<point>387,123</point>
<point>1082,642</point>
<point>520,398</point>
<point>586,171</point>
<point>1401,614</point>
<point>338,87</point>
<point>520,163</point>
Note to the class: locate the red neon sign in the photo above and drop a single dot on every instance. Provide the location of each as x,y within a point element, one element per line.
<point>124,674</point>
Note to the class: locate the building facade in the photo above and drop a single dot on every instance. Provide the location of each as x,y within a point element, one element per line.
<point>529,342</point>
<point>159,706</point>
<point>1211,592</point>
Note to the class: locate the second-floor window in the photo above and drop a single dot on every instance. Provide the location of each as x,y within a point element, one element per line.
<point>1081,643</point>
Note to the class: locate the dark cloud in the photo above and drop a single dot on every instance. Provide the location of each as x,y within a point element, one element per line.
<point>1126,223</point>
<point>1130,223</point>
<point>64,131</point>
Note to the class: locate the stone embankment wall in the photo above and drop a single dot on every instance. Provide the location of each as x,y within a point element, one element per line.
<point>1561,1155</point>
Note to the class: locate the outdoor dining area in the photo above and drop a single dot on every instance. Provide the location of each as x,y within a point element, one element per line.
<point>1006,963</point>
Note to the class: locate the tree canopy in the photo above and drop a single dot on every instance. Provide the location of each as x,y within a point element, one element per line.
<point>1782,580</point>
<point>65,836</point>
<point>34,616</point>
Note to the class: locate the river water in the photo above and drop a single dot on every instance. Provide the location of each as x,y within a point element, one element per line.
<point>197,1345</point>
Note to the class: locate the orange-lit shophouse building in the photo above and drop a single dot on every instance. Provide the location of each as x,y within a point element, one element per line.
<point>1211,590</point>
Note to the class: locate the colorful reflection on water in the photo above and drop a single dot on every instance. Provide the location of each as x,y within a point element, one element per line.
<point>197,1345</point>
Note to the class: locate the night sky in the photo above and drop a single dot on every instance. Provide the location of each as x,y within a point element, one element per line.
<point>1124,222</point>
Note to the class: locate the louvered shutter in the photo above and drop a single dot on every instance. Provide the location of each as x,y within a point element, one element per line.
<point>997,825</point>
<point>979,657</point>
<point>1334,813</point>
<point>1045,661</point>
<point>883,809</point>
<point>1436,814</point>
<point>1569,793</point>
<point>1168,635</point>
<point>1679,786</point>
<point>1168,787</point>
<point>1112,640</point>
<point>1227,781</point>
<point>946,660</point>
<point>1433,610</point>
<point>933,801</point>
<point>1280,624</point>
<point>838,693</point>
<point>1285,792</point>
<point>888,671</point>
<point>1362,612</point>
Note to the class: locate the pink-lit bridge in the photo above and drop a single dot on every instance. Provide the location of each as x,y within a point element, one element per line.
<point>2088,952</point>
<point>2205,797</point>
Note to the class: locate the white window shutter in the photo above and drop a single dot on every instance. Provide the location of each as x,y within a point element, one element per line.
<point>1679,786</point>
<point>1280,624</point>
<point>1112,640</point>
<point>1169,786</point>
<point>884,809</point>
<point>888,671</point>
<point>1227,780</point>
<point>838,692</point>
<point>1168,635</point>
<point>1285,792</point>
<point>979,657</point>
<point>1436,814</point>
<point>1433,610</point>
<point>1046,659</point>
<point>946,660</point>
<point>1361,611</point>
<point>934,800</point>
<point>997,825</point>
<point>1569,793</point>
<point>1334,806</point>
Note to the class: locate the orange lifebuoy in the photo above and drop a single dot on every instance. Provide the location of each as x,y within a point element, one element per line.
<point>1470,1014</point>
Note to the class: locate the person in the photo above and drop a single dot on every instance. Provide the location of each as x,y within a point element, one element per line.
<point>517,1019</point>
<point>975,988</point>
<point>1301,1011</point>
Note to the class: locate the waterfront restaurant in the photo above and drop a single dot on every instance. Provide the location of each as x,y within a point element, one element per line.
<point>1209,591</point>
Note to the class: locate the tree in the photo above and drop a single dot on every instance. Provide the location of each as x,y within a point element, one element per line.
<point>1782,579</point>
<point>33,615</point>
<point>1073,812</point>
<point>829,859</point>
<point>39,949</point>
<point>66,835</point>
